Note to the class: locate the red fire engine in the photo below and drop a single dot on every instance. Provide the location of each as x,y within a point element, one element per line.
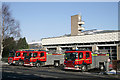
<point>17,57</point>
<point>84,60</point>
<point>42,58</point>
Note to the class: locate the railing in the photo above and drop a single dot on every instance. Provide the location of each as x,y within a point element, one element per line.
<point>116,64</point>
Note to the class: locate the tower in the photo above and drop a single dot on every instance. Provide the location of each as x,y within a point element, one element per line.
<point>76,25</point>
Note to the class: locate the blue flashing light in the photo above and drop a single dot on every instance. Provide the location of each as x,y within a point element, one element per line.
<point>65,61</point>
<point>73,62</point>
<point>68,50</point>
<point>77,49</point>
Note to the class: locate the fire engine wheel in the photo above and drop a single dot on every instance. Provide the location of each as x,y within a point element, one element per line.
<point>101,67</point>
<point>10,63</point>
<point>83,68</point>
<point>21,63</point>
<point>38,65</point>
<point>56,64</point>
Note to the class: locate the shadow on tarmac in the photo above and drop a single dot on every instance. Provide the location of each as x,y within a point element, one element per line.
<point>16,76</point>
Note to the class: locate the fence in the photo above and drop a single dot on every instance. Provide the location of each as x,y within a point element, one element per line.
<point>116,64</point>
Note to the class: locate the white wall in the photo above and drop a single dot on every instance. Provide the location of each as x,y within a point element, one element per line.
<point>101,37</point>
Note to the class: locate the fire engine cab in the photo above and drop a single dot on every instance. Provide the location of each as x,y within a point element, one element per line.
<point>84,60</point>
<point>17,57</point>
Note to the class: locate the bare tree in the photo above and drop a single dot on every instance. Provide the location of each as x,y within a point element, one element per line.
<point>9,27</point>
<point>0,27</point>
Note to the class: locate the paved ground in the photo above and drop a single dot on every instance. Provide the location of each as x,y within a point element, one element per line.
<point>51,73</point>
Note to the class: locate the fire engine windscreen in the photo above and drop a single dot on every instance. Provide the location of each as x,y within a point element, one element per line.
<point>11,54</point>
<point>28,56</point>
<point>71,56</point>
<point>35,55</point>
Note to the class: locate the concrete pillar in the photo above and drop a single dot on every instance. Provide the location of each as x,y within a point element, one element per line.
<point>45,48</point>
<point>118,52</point>
<point>75,47</point>
<point>59,48</point>
<point>94,48</point>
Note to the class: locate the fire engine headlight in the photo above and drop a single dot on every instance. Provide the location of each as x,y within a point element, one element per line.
<point>13,61</point>
<point>31,63</point>
<point>76,66</point>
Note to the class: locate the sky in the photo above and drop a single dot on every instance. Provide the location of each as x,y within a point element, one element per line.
<point>50,19</point>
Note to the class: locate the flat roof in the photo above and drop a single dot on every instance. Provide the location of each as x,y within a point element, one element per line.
<point>87,32</point>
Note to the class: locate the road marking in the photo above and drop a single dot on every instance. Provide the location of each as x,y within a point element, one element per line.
<point>12,76</point>
<point>9,71</point>
<point>48,76</point>
<point>27,74</point>
<point>19,72</point>
<point>36,74</point>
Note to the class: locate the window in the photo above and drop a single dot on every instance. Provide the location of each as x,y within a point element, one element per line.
<point>24,54</point>
<point>87,55</point>
<point>71,56</point>
<point>35,55</point>
<point>18,54</point>
<point>80,55</point>
<point>30,54</point>
<point>11,54</point>
<point>41,54</point>
<point>76,55</point>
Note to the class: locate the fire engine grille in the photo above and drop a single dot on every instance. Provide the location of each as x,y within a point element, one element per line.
<point>27,61</point>
<point>69,64</point>
<point>10,60</point>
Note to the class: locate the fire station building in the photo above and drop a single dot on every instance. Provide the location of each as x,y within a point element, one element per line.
<point>102,41</point>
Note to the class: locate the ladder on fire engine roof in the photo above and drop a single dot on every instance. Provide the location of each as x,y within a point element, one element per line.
<point>30,50</point>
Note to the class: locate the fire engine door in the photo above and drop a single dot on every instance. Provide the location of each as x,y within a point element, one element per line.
<point>18,55</point>
<point>87,57</point>
<point>42,56</point>
<point>81,57</point>
<point>35,56</point>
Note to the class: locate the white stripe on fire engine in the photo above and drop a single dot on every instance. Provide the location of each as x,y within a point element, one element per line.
<point>82,59</point>
<point>38,58</point>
